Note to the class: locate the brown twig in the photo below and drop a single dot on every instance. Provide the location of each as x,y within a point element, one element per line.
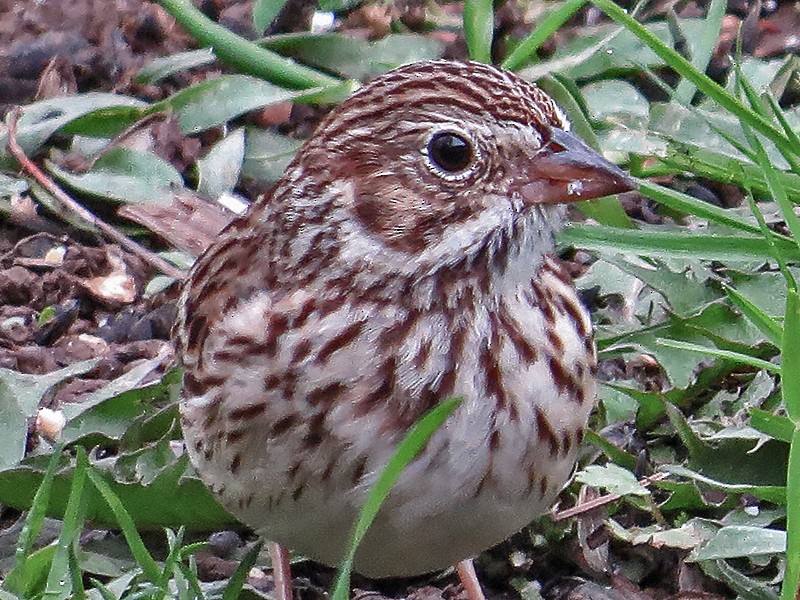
<point>602,500</point>
<point>109,231</point>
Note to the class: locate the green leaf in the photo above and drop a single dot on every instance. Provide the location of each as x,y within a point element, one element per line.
<point>613,479</point>
<point>615,101</point>
<point>739,541</point>
<point>59,581</point>
<point>20,395</point>
<point>704,83</point>
<point>479,29</point>
<point>146,180</point>
<point>717,353</point>
<point>338,5</point>
<point>239,577</point>
<point>264,12</point>
<point>665,243</point>
<point>21,579</point>
<point>267,155</point>
<point>42,119</point>
<point>772,493</point>
<point>218,171</point>
<point>703,46</point>
<point>409,447</point>
<point>216,101</point>
<point>123,518</point>
<point>776,426</point>
<point>354,58</point>
<point>162,67</point>
<point>747,587</point>
<point>546,27</point>
<point>766,324</point>
<point>242,55</point>
<point>190,502</point>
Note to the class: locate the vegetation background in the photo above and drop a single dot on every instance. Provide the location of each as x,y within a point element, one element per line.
<point>141,124</point>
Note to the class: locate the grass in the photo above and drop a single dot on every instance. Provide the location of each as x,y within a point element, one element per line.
<point>715,304</point>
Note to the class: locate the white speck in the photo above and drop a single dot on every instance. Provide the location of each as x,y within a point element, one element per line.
<point>574,188</point>
<point>322,21</point>
<point>233,203</point>
<point>49,423</point>
<point>751,510</point>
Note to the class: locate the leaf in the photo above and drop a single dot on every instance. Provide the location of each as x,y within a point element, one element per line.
<point>408,448</point>
<point>216,101</point>
<point>772,493</point>
<point>746,587</point>
<point>219,170</point>
<point>354,58</point>
<point>267,155</point>
<point>144,165</point>
<point>609,48</point>
<point>338,5</point>
<point>478,23</point>
<point>666,243</point>
<point>264,12</point>
<point>612,478</point>
<point>190,503</point>
<point>701,129</point>
<point>740,541</point>
<point>20,394</point>
<point>42,119</point>
<point>121,186</point>
<point>161,68</point>
<point>615,101</point>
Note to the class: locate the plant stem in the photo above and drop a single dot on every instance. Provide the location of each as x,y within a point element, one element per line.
<point>242,55</point>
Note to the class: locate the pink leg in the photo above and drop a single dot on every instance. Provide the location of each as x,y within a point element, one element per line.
<point>466,573</point>
<point>281,571</point>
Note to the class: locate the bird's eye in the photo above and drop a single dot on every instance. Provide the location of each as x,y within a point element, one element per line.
<point>450,151</point>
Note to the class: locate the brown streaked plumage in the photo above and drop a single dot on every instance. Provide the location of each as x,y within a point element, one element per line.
<point>403,258</point>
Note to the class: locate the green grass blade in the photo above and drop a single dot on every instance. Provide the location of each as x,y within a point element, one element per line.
<point>549,25</point>
<point>790,387</point>
<point>790,357</point>
<point>704,83</point>
<point>689,204</point>
<point>766,324</point>
<point>146,562</point>
<point>718,353</point>
<point>60,579</point>
<point>703,48</point>
<point>174,542</point>
<point>237,581</point>
<point>242,55</point>
<point>790,133</point>
<point>407,449</point>
<point>618,456</point>
<point>756,103</point>
<point>479,29</point>
<point>775,184</point>
<point>725,169</point>
<point>33,525</point>
<point>78,591</point>
<point>791,579</point>
<point>674,244</point>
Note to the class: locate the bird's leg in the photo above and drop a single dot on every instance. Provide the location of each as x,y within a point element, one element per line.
<point>281,571</point>
<point>466,573</point>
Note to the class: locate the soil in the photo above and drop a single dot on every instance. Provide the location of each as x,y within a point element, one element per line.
<point>96,288</point>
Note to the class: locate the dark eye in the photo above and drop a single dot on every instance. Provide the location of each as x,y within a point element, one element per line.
<point>450,151</point>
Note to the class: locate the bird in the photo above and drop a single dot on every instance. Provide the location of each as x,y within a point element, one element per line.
<point>404,257</point>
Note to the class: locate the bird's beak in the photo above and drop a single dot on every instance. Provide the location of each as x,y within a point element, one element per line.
<point>567,170</point>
